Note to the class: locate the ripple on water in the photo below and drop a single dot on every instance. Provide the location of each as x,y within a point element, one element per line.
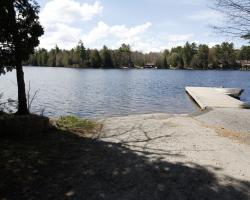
<point>99,93</point>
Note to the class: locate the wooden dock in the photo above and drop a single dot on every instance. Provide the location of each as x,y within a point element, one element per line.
<point>208,97</point>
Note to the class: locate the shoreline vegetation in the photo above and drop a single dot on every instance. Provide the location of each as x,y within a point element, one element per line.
<point>191,56</point>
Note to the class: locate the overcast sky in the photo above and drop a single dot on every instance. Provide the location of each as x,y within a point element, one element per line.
<point>147,25</point>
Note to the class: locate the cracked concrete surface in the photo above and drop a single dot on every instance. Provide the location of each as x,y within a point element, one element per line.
<point>190,139</point>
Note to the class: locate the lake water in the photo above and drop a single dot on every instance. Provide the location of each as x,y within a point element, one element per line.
<point>99,93</point>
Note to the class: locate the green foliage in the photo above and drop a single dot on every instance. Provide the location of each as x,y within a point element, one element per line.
<point>95,59</point>
<point>244,53</point>
<point>187,53</point>
<point>106,58</point>
<point>200,60</point>
<point>164,59</point>
<point>82,52</point>
<point>175,60</point>
<point>125,55</point>
<point>190,56</point>
<point>138,58</point>
<point>125,48</point>
<point>19,31</point>
<point>75,123</point>
<point>225,55</point>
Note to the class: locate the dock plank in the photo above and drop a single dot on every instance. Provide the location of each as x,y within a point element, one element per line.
<point>208,97</point>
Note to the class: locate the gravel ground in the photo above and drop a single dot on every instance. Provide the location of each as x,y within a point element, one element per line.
<point>215,140</point>
<point>148,157</point>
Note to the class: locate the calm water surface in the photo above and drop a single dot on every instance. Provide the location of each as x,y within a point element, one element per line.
<point>100,93</point>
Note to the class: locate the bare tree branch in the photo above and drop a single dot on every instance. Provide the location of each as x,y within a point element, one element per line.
<point>30,98</point>
<point>237,13</point>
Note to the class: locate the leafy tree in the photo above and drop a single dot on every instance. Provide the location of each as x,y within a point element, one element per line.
<point>225,55</point>
<point>177,50</point>
<point>42,57</point>
<point>52,58</point>
<point>116,58</point>
<point>138,58</point>
<point>188,51</point>
<point>66,61</point>
<point>106,57</point>
<point>212,62</point>
<point>59,59</point>
<point>95,59</point>
<point>125,48</point>
<point>200,60</point>
<point>125,51</point>
<point>19,33</point>
<point>87,61</point>
<point>75,56</point>
<point>244,53</point>
<point>202,57</point>
<point>175,60</point>
<point>164,57</point>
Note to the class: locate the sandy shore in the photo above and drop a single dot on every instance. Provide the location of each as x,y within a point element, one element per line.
<point>218,140</point>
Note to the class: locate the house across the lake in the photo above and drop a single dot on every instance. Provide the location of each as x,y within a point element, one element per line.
<point>245,64</point>
<point>150,66</point>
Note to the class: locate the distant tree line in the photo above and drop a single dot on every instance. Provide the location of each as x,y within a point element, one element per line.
<point>189,56</point>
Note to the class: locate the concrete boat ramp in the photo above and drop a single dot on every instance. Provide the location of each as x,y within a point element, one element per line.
<point>209,97</point>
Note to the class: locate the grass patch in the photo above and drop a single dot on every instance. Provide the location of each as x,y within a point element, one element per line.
<point>77,125</point>
<point>12,126</point>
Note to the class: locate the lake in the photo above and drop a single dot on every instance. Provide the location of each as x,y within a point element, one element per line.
<point>95,93</point>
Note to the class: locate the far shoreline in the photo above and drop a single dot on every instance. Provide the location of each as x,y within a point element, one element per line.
<point>170,69</point>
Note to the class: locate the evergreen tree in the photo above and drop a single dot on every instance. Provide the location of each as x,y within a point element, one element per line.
<point>202,57</point>
<point>19,33</point>
<point>244,53</point>
<point>188,51</point>
<point>225,55</point>
<point>200,60</point>
<point>164,58</point>
<point>125,51</point>
<point>82,53</point>
<point>95,59</point>
<point>106,57</point>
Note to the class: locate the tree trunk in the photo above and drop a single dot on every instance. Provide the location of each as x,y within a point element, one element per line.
<point>22,101</point>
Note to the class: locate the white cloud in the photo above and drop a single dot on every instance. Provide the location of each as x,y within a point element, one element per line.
<point>124,32</point>
<point>121,32</point>
<point>63,19</point>
<point>180,37</point>
<point>59,17</point>
<point>66,36</point>
<point>61,34</point>
<point>67,11</point>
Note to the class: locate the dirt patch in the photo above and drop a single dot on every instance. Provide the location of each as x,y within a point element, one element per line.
<point>239,136</point>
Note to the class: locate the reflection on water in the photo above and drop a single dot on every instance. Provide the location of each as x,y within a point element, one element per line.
<point>98,93</point>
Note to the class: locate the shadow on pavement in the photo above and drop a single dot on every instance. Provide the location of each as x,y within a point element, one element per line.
<point>62,165</point>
